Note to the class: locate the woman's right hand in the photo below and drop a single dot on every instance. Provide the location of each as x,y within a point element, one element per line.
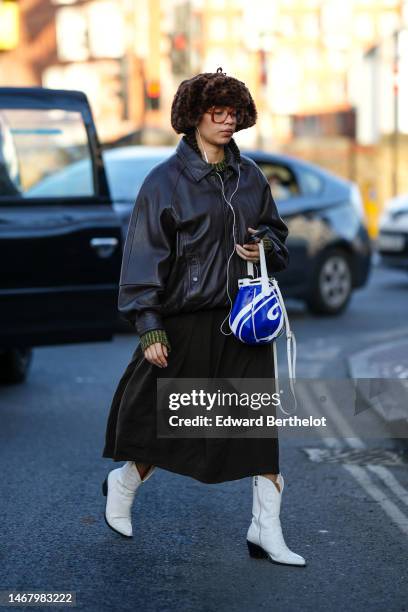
<point>157,354</point>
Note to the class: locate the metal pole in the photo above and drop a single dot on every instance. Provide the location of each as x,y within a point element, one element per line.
<point>395,152</point>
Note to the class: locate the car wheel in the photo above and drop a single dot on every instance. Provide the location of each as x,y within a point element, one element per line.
<point>14,365</point>
<point>331,286</point>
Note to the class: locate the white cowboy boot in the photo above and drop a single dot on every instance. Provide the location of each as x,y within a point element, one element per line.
<point>120,488</point>
<point>264,537</point>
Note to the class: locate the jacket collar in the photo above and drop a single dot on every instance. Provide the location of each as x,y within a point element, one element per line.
<point>198,167</point>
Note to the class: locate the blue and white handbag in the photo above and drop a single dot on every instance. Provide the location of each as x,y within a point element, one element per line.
<point>258,314</point>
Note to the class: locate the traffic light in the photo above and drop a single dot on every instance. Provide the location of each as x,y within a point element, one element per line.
<point>179,54</point>
<point>153,94</point>
<point>263,67</point>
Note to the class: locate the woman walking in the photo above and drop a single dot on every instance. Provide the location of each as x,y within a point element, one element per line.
<point>186,247</point>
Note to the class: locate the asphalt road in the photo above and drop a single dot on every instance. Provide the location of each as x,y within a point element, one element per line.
<point>350,521</point>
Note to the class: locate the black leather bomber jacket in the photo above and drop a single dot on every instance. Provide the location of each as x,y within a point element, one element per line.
<point>180,236</point>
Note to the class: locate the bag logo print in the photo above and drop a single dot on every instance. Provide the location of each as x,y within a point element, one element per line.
<point>274,312</point>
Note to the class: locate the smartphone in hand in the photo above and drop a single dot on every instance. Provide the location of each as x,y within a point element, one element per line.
<point>252,237</point>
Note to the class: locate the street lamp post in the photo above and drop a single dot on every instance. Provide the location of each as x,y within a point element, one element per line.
<point>395,140</point>
<point>263,47</point>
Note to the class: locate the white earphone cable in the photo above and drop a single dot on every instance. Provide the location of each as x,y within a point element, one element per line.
<point>205,152</point>
<point>233,229</point>
<point>233,251</point>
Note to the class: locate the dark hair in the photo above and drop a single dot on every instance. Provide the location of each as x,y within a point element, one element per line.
<point>196,95</point>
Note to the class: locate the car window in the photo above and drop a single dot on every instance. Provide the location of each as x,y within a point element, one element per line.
<point>125,176</point>
<point>281,180</point>
<point>311,183</point>
<point>44,152</point>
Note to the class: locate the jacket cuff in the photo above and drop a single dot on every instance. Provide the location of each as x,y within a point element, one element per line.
<point>152,336</point>
<point>148,320</point>
<point>268,244</point>
<point>276,254</point>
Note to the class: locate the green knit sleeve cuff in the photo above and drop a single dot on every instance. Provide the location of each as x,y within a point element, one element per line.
<point>268,244</point>
<point>152,336</point>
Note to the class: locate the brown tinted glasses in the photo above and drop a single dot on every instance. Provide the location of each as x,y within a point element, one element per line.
<point>220,113</point>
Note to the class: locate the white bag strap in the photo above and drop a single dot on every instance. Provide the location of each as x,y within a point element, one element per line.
<point>264,269</point>
<point>290,336</point>
<point>290,344</point>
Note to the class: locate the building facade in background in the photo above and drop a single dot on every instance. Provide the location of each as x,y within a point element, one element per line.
<point>325,75</point>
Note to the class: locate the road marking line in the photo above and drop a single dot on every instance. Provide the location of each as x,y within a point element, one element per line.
<point>364,480</point>
<point>359,473</point>
<point>390,480</point>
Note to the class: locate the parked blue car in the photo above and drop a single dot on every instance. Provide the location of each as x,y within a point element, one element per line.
<point>330,249</point>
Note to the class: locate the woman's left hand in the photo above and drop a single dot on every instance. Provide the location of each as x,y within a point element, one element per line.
<point>249,251</point>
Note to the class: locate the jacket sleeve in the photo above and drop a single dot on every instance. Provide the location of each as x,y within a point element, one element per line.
<point>276,251</point>
<point>147,258</point>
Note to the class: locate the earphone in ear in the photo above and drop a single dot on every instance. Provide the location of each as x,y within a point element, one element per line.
<point>205,152</point>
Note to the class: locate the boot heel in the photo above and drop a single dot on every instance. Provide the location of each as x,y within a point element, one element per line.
<point>255,551</point>
<point>105,487</point>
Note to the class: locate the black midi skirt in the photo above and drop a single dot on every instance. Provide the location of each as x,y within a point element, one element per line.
<point>199,350</point>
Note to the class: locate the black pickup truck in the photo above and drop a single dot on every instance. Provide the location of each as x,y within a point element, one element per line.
<point>60,255</point>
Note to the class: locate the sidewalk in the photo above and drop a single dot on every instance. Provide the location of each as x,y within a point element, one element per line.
<point>388,360</point>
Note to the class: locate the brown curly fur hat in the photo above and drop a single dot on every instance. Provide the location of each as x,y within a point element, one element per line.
<point>194,96</point>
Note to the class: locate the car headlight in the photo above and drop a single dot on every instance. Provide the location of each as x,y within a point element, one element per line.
<point>357,201</point>
<point>384,218</point>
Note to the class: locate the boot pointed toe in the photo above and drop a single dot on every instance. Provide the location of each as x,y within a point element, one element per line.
<point>120,525</point>
<point>288,558</point>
